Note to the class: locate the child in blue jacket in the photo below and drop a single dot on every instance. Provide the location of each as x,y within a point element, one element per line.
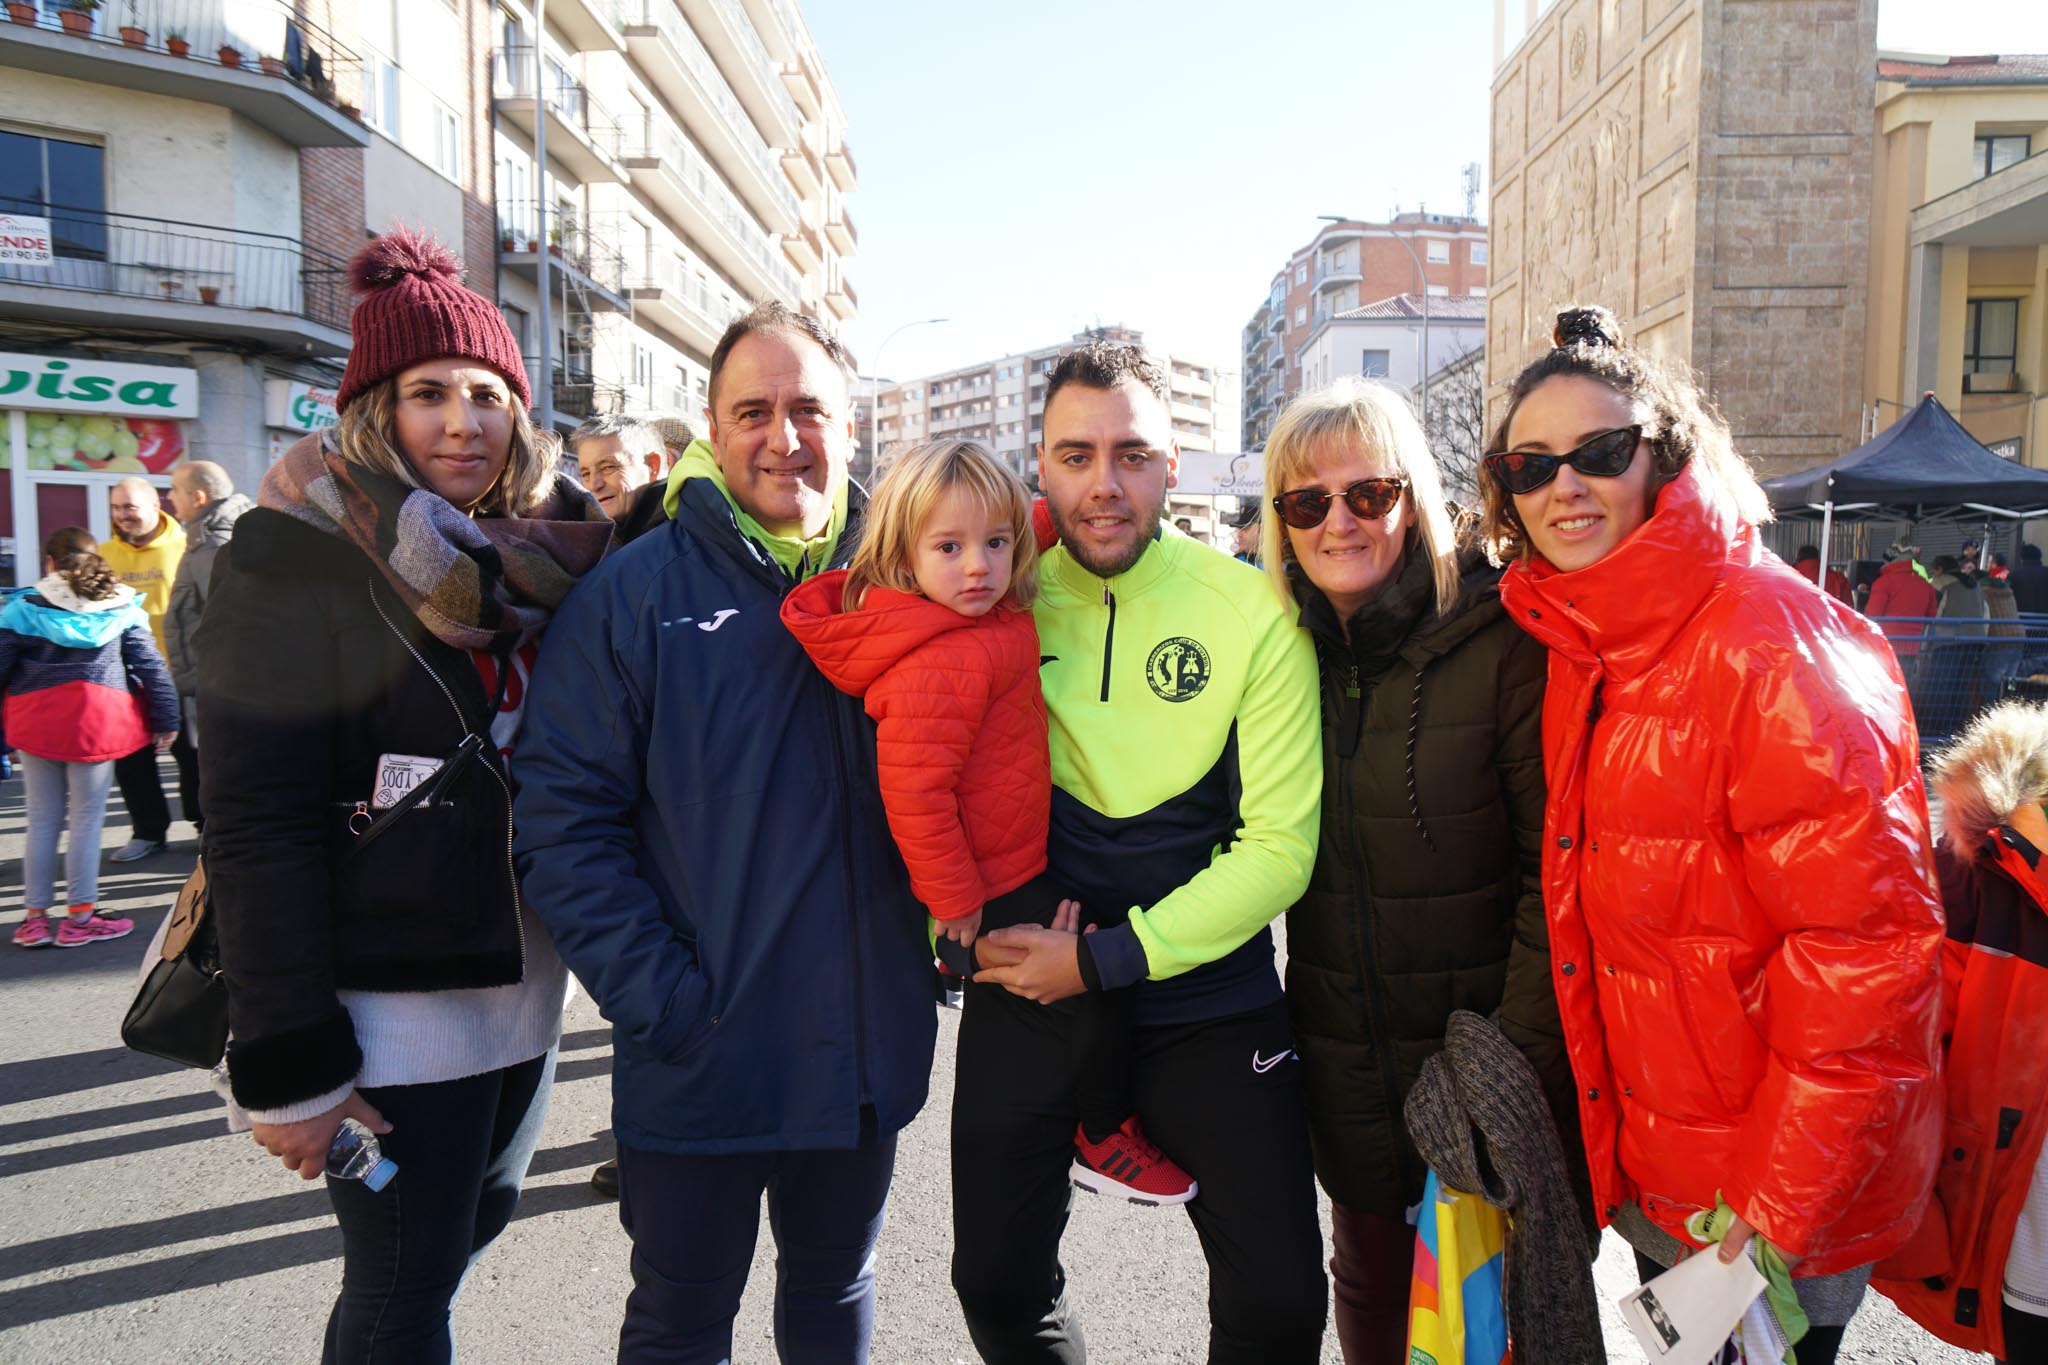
<point>83,685</point>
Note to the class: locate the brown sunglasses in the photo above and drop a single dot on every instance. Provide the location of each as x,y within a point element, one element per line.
<point>1368,499</point>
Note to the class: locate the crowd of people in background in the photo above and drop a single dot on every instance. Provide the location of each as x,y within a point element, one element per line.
<point>1599,831</point>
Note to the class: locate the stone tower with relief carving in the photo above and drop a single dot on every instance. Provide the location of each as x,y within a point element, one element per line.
<point>1702,168</point>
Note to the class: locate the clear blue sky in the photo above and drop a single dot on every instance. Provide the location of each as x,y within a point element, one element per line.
<point>1029,169</point>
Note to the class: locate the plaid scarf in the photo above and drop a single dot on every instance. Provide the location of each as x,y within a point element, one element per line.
<point>484,582</point>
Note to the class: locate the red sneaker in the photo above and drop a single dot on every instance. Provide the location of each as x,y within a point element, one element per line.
<point>1126,1165</point>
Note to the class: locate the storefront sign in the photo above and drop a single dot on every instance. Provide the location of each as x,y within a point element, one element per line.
<point>51,384</point>
<point>292,406</point>
<point>1203,474</point>
<point>24,241</point>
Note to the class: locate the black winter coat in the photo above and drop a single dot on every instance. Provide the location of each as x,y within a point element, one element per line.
<point>1426,896</point>
<point>310,668</point>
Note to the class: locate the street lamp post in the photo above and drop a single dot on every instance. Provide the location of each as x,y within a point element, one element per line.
<point>1422,280</point>
<point>875,392</point>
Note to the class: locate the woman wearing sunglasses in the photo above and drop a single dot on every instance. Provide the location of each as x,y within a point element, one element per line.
<point>1426,895</point>
<point>1736,858</point>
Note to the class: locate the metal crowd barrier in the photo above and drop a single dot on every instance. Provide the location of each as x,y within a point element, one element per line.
<point>1955,667</point>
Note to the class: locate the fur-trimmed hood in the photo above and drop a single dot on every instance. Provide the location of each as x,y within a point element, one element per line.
<point>1999,764</point>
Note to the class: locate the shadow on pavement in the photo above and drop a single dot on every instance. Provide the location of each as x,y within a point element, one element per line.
<point>39,1078</point>
<point>95,1290</point>
<point>99,1149</point>
<point>112,1116</point>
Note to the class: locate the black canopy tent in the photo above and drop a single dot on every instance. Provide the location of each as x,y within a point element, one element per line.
<point>1923,467</point>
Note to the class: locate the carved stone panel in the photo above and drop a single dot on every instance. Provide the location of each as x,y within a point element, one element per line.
<point>1542,70</point>
<point>1510,109</point>
<point>1781,68</point>
<point>1670,339</point>
<point>1504,234</point>
<point>1664,240</point>
<point>1578,230</point>
<point>1621,26</point>
<point>1579,54</point>
<point>1671,94</point>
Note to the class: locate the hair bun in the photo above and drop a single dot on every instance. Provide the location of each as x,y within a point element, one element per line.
<point>1586,325</point>
<point>400,253</point>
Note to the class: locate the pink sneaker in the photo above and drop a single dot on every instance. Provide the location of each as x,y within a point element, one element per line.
<point>33,932</point>
<point>92,929</point>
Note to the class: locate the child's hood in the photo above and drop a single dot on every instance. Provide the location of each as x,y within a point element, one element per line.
<point>855,648</point>
<point>53,612</point>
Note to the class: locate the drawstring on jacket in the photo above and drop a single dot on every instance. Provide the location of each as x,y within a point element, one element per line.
<point>1414,733</point>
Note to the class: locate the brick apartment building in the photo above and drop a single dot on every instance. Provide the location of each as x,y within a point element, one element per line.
<point>1348,265</point>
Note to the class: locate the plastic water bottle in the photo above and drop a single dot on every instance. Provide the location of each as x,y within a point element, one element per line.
<point>355,1155</point>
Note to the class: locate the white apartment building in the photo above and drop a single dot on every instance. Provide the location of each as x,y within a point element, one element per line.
<point>1384,340</point>
<point>159,299</point>
<point>696,163</point>
<point>1000,403</point>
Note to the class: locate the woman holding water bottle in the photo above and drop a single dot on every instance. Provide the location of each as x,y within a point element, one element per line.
<point>362,672</point>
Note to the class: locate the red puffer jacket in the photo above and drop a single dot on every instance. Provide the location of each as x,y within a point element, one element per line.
<point>1901,591</point>
<point>961,742</point>
<point>1743,926</point>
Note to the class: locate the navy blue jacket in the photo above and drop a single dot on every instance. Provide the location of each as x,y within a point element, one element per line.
<point>700,827</point>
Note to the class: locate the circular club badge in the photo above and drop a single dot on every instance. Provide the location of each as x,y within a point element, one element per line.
<point>1178,669</point>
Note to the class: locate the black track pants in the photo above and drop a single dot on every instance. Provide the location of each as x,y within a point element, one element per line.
<point>1222,1097</point>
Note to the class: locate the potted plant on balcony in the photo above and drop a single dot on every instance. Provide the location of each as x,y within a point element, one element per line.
<point>21,11</point>
<point>76,15</point>
<point>229,55</point>
<point>555,238</point>
<point>176,42</point>
<point>132,32</point>
<point>272,66</point>
<point>209,293</point>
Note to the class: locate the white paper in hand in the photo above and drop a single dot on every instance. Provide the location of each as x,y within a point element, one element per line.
<point>1686,1315</point>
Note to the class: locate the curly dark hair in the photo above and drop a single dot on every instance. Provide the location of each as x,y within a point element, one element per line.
<point>773,316</point>
<point>1104,365</point>
<point>1680,422</point>
<point>76,555</point>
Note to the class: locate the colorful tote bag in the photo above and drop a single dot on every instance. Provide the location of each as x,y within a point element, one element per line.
<point>1456,1314</point>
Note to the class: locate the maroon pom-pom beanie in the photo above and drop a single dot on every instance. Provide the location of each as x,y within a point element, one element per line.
<point>414,309</point>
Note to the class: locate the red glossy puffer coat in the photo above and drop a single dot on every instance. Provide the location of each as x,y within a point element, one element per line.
<point>960,741</point>
<point>1744,930</point>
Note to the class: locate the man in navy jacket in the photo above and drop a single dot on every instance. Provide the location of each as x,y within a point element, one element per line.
<point>699,829</point>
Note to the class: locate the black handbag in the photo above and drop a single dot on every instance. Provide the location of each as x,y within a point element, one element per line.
<point>181,1011</point>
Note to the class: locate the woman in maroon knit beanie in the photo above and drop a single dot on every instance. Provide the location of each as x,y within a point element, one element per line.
<point>363,667</point>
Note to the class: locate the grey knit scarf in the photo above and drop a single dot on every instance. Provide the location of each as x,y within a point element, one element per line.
<point>1478,1116</point>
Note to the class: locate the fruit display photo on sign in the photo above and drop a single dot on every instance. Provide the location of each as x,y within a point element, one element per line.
<point>100,444</point>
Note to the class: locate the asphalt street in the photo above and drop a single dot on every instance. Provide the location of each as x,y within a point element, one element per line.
<point>133,1227</point>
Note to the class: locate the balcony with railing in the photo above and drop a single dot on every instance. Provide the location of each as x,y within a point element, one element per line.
<point>582,248</point>
<point>256,57</point>
<point>682,183</point>
<point>687,75</point>
<point>1334,272</point>
<point>729,32</point>
<point>840,231</point>
<point>800,79</point>
<point>671,295</point>
<point>577,393</point>
<point>803,247</point>
<point>582,134</point>
<point>841,299</point>
<point>839,161</point>
<point>590,25</point>
<point>189,279</point>
<point>804,169</point>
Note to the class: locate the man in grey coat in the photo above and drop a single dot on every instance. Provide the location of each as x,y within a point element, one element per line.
<point>205,500</point>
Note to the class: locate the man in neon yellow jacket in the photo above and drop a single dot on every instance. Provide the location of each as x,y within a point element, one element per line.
<point>1187,781</point>
<point>144,552</point>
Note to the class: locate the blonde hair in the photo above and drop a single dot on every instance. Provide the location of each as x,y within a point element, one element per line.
<point>1376,421</point>
<point>367,435</point>
<point>918,481</point>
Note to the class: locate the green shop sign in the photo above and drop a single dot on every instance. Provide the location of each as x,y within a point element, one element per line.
<point>62,384</point>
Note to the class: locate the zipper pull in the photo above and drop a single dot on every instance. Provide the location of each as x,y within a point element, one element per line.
<point>1351,684</point>
<point>1107,600</point>
<point>362,813</point>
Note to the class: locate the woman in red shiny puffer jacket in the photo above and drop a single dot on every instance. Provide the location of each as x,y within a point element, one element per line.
<point>1744,931</point>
